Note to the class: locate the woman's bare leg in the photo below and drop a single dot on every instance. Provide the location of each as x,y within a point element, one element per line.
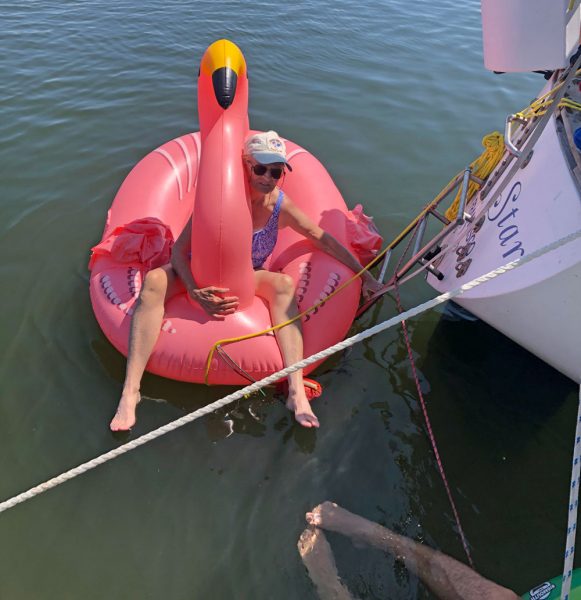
<point>447,578</point>
<point>158,285</point>
<point>279,291</point>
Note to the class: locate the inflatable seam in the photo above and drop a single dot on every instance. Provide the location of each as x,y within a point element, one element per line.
<point>184,148</point>
<point>171,161</point>
<point>196,139</point>
<point>295,152</point>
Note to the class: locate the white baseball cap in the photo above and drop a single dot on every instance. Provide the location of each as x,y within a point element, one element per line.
<point>266,148</point>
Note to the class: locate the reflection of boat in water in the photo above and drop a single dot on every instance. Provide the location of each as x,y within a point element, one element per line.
<point>531,198</point>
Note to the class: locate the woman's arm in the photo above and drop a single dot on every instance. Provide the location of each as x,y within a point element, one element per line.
<point>295,218</point>
<point>180,258</point>
<point>207,298</point>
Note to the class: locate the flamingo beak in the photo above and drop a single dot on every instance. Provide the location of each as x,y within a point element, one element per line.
<point>224,80</point>
<point>225,63</point>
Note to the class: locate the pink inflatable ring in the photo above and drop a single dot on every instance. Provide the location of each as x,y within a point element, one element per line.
<point>201,174</point>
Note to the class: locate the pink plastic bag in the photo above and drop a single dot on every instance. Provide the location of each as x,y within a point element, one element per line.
<point>363,235</point>
<point>145,242</point>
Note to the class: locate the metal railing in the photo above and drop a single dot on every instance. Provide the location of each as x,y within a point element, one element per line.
<point>518,154</point>
<point>424,254</point>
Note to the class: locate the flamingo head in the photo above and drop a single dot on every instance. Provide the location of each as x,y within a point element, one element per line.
<point>224,62</point>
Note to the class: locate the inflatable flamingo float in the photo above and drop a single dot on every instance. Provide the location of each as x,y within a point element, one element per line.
<point>199,176</point>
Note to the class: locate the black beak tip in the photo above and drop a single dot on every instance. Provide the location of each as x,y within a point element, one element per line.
<point>224,81</point>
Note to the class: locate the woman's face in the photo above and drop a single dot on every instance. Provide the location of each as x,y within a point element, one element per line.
<point>263,178</point>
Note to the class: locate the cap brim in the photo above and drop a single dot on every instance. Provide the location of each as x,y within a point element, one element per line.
<point>267,158</point>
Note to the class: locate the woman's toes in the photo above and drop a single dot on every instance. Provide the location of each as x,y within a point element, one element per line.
<point>303,420</point>
<point>307,420</point>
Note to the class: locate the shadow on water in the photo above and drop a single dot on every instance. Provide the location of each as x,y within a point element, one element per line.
<point>503,421</point>
<point>498,414</point>
<point>492,375</point>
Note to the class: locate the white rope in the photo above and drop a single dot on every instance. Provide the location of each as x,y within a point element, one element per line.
<point>249,389</point>
<point>573,504</point>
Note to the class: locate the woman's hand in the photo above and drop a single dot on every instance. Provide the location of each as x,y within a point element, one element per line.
<point>370,285</point>
<point>215,305</point>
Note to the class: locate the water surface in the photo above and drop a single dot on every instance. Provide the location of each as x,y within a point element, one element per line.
<point>393,98</point>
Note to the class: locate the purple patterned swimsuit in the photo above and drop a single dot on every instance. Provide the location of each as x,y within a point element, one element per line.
<point>264,240</point>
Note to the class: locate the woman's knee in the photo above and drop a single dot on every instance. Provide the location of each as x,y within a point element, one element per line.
<point>284,285</point>
<point>274,286</point>
<point>154,286</point>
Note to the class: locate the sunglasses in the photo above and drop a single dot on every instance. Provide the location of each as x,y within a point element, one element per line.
<point>260,170</point>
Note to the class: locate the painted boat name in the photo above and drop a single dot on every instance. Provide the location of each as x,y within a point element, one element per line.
<point>507,231</point>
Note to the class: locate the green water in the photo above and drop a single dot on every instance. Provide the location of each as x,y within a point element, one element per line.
<point>393,98</point>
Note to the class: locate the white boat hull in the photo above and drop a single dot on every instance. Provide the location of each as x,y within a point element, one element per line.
<point>545,323</point>
<point>537,305</point>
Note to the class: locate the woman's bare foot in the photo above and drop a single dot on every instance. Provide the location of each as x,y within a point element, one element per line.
<point>299,404</point>
<point>124,418</point>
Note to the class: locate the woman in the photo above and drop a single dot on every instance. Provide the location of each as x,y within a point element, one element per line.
<point>265,161</point>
